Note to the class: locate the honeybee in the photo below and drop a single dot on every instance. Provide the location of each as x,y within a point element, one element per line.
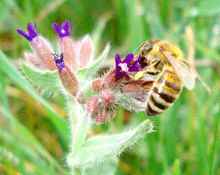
<point>165,59</point>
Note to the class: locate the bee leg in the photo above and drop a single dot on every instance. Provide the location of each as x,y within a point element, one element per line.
<point>157,66</point>
<point>153,68</point>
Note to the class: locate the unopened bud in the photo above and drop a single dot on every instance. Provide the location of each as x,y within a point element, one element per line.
<point>107,97</point>
<point>69,80</point>
<point>86,51</point>
<point>92,104</point>
<point>97,84</point>
<point>102,115</point>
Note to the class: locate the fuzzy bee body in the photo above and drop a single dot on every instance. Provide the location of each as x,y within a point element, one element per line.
<point>164,92</point>
<point>167,86</point>
<point>165,60</point>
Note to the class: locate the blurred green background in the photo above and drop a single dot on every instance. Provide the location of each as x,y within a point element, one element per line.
<point>34,135</point>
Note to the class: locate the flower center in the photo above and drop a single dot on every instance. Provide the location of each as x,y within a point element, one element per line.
<point>62,31</point>
<point>124,67</point>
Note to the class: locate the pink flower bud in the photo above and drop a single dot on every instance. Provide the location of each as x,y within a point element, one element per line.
<point>69,80</point>
<point>86,51</point>
<point>107,97</point>
<point>92,104</point>
<point>102,115</point>
<point>97,84</point>
<point>43,52</point>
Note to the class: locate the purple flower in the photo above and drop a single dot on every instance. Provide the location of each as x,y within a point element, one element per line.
<point>59,61</point>
<point>31,34</point>
<point>64,29</point>
<point>125,66</point>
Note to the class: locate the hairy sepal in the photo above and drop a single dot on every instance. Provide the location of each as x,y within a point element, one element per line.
<point>98,149</point>
<point>89,72</point>
<point>46,79</point>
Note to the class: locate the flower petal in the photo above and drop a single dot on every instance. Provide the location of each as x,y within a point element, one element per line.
<point>86,51</point>
<point>56,27</point>
<point>23,33</point>
<point>63,30</point>
<point>128,58</point>
<point>32,30</point>
<point>117,59</point>
<point>31,34</point>
<point>65,26</point>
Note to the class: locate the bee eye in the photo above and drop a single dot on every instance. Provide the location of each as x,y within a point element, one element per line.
<point>148,48</point>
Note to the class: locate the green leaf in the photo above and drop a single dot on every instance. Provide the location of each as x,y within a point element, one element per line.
<point>17,77</point>
<point>88,72</point>
<point>47,79</point>
<point>108,167</point>
<point>98,149</point>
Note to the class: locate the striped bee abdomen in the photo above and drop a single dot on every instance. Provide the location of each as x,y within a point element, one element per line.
<point>164,92</point>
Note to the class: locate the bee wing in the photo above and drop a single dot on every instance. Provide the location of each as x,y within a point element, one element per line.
<point>193,69</point>
<point>182,71</point>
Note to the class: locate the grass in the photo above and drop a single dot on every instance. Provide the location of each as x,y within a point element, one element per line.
<point>34,134</point>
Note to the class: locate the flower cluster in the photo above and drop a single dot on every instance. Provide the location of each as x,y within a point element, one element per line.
<point>100,96</point>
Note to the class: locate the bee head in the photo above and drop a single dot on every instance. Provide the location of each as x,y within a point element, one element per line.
<point>148,46</point>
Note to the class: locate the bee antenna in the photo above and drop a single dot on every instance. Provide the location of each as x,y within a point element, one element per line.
<point>138,48</point>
